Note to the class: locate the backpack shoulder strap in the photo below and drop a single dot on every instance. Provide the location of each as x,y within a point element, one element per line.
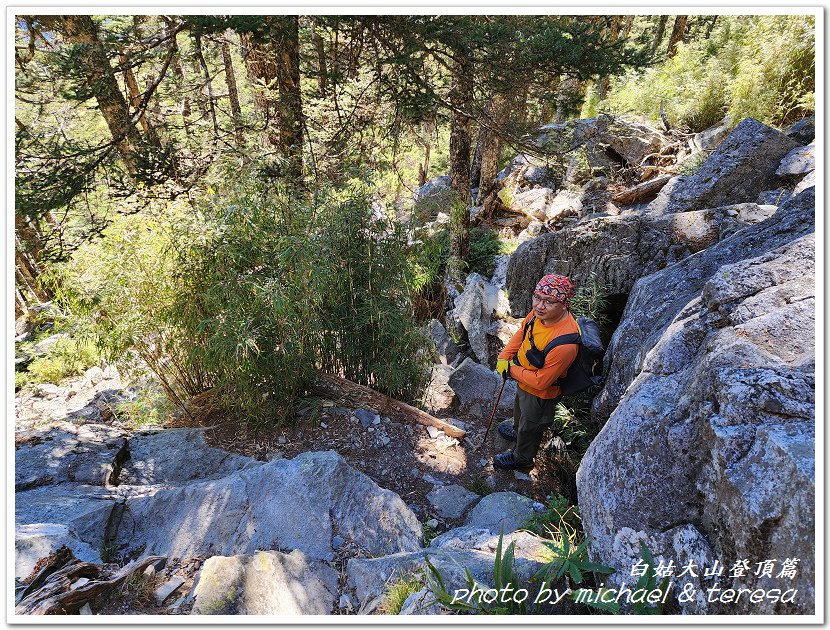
<point>529,326</point>
<point>562,340</point>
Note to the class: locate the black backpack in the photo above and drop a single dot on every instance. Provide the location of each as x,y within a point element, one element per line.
<point>586,370</point>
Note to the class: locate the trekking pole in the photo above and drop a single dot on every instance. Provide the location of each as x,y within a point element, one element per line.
<point>493,413</point>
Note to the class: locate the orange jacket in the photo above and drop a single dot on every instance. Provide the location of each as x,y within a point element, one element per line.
<point>540,381</point>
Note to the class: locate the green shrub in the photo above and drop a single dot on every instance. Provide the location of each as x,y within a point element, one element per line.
<point>761,66</point>
<point>692,166</point>
<point>252,294</point>
<point>399,591</point>
<point>429,258</point>
<point>591,300</point>
<point>479,485</point>
<point>68,357</point>
<point>559,515</point>
<point>149,407</point>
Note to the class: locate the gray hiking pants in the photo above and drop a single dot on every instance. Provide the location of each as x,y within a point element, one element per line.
<point>531,416</point>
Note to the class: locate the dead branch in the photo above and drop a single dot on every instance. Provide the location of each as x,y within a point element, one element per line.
<point>641,191</point>
<point>383,404</point>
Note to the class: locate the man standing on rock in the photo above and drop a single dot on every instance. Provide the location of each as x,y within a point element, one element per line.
<point>535,374</point>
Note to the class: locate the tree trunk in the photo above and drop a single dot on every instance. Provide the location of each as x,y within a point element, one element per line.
<point>460,98</point>
<point>521,103</point>
<point>320,49</point>
<point>290,97</point>
<point>197,41</point>
<point>658,34</point>
<point>475,169</point>
<point>571,92</point>
<point>612,34</point>
<point>710,26</point>
<point>677,34</point>
<point>233,92</point>
<point>80,29</point>
<point>429,131</point>
<point>261,66</point>
<point>132,87</point>
<point>490,153</point>
<point>629,22</point>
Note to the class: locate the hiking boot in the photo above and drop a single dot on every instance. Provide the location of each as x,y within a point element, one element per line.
<point>506,430</point>
<point>507,462</point>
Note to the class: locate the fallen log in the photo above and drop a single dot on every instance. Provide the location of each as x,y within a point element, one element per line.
<point>642,191</point>
<point>383,404</point>
<point>56,597</point>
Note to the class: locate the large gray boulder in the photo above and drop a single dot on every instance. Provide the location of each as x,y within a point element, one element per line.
<point>803,131</point>
<point>451,501</point>
<point>369,578</point>
<point>620,249</point>
<point>300,503</point>
<point>798,163</point>
<point>177,456</point>
<point>476,307</point>
<point>36,541</point>
<point>475,384</point>
<point>90,454</point>
<point>709,447</point>
<point>628,140</point>
<point>526,544</point>
<point>436,186</point>
<point>742,166</point>
<point>444,345</point>
<point>501,512</point>
<point>265,583</point>
<point>656,300</point>
<point>533,202</point>
<point>439,396</point>
<point>709,139</point>
<point>809,181</point>
<point>84,509</point>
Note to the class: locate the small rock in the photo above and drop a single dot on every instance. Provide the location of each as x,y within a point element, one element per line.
<point>46,390</point>
<point>415,472</point>
<point>371,429</point>
<point>365,417</point>
<point>520,476</point>
<point>167,589</point>
<point>384,440</point>
<point>432,480</point>
<point>150,572</point>
<point>457,423</point>
<point>539,507</point>
<point>323,425</point>
<point>482,462</point>
<point>434,432</point>
<point>337,542</point>
<point>177,604</point>
<point>433,523</point>
<point>281,440</point>
<point>345,602</point>
<point>376,421</point>
<point>94,375</point>
<point>490,481</point>
<point>85,610</point>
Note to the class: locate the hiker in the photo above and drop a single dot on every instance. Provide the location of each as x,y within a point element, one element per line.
<point>537,394</point>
